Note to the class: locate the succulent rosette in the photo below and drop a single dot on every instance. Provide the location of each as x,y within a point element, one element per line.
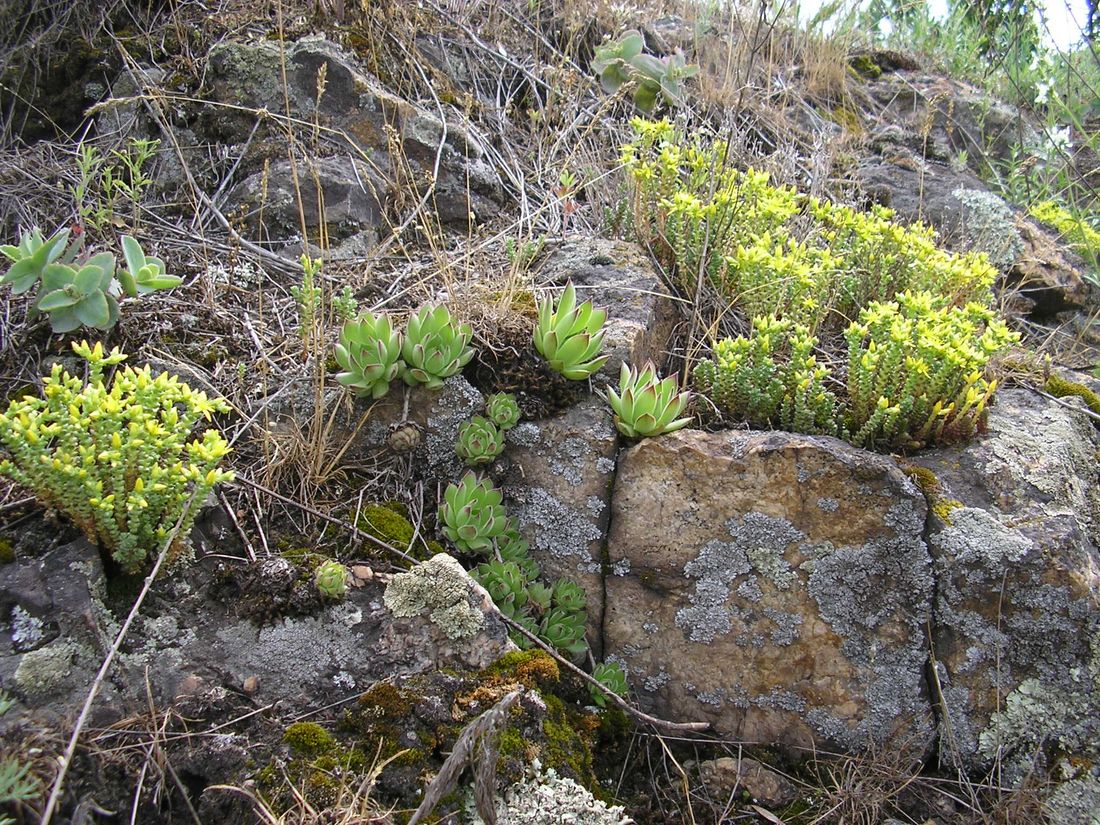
<point>331,579</point>
<point>647,405</point>
<point>479,441</point>
<point>570,337</point>
<point>435,347</point>
<point>472,514</point>
<point>502,410</point>
<point>369,355</point>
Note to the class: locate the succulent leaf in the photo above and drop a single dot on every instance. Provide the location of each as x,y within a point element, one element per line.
<point>569,337</point>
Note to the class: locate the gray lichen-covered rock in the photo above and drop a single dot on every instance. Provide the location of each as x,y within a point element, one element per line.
<point>558,492</point>
<point>1017,613</point>
<point>461,621</point>
<point>775,585</point>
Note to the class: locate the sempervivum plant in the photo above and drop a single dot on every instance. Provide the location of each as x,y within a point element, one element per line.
<point>369,355</point>
<point>513,547</point>
<point>506,583</point>
<point>435,347</point>
<point>569,337</point>
<point>646,405</point>
<point>479,441</point>
<point>331,579</point>
<point>472,514</point>
<point>502,410</point>
<point>564,630</point>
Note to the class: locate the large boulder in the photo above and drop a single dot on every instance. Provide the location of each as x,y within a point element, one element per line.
<point>775,585</point>
<point>1013,535</point>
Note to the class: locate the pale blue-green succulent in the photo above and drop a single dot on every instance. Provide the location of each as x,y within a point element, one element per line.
<point>369,355</point>
<point>331,579</point>
<point>435,347</point>
<point>472,514</point>
<point>502,410</point>
<point>479,441</point>
<point>570,337</point>
<point>647,405</point>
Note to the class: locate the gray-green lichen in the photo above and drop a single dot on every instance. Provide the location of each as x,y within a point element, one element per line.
<point>27,631</point>
<point>554,526</point>
<point>442,588</point>
<point>989,226</point>
<point>548,798</point>
<point>1076,802</point>
<point>45,671</point>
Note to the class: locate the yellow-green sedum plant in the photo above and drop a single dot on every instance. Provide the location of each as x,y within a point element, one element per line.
<point>772,251</point>
<point>916,375</point>
<point>117,459</point>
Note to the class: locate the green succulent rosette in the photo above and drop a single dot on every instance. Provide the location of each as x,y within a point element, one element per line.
<point>646,405</point>
<point>506,583</point>
<point>435,347</point>
<point>570,337</point>
<point>331,579</point>
<point>612,679</point>
<point>564,630</point>
<point>479,441</point>
<point>502,410</point>
<point>369,355</point>
<point>472,514</point>
<point>513,547</point>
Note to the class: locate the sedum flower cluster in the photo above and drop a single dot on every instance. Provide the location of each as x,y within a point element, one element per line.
<point>915,376</point>
<point>1077,231</point>
<point>773,251</point>
<point>117,460</point>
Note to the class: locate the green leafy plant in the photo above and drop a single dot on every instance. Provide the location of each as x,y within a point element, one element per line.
<point>506,583</point>
<point>647,405</point>
<point>621,62</point>
<point>116,460</point>
<point>502,410</point>
<point>308,296</point>
<point>345,305</point>
<point>17,783</point>
<point>513,547</point>
<point>435,347</point>
<point>104,184</point>
<point>479,441</point>
<point>771,251</point>
<point>790,393</point>
<point>80,293</point>
<point>564,629</point>
<point>1076,231</point>
<point>369,355</point>
<point>331,579</point>
<point>570,337</point>
<point>916,374</point>
<point>472,514</point>
<point>521,254</point>
<point>612,679</point>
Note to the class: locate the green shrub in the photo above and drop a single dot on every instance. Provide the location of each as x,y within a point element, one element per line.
<point>116,460</point>
<point>915,374</point>
<point>772,251</point>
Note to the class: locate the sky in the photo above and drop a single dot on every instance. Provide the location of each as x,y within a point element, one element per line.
<point>1065,18</point>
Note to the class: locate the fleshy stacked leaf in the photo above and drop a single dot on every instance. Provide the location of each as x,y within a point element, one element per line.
<point>331,579</point>
<point>479,441</point>
<point>472,514</point>
<point>647,405</point>
<point>435,347</point>
<point>570,337</point>
<point>502,410</point>
<point>369,355</point>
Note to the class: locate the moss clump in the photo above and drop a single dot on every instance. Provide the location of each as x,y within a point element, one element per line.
<point>389,522</point>
<point>568,747</point>
<point>385,700</point>
<point>864,65</point>
<point>534,669</point>
<point>7,551</point>
<point>941,506</point>
<point>309,739</point>
<point>1059,387</point>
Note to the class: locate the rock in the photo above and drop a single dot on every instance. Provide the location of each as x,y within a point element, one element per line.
<point>455,607</point>
<point>943,118</point>
<point>775,585</point>
<point>1044,276</point>
<point>1017,612</point>
<point>619,277</point>
<point>726,776</point>
<point>57,627</point>
<point>559,493</point>
<point>350,191</point>
<point>368,121</point>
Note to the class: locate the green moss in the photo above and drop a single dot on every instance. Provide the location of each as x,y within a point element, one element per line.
<point>566,750</point>
<point>941,506</point>
<point>1059,387</point>
<point>864,65</point>
<point>7,551</point>
<point>534,669</point>
<point>309,739</point>
<point>383,699</point>
<point>389,522</point>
